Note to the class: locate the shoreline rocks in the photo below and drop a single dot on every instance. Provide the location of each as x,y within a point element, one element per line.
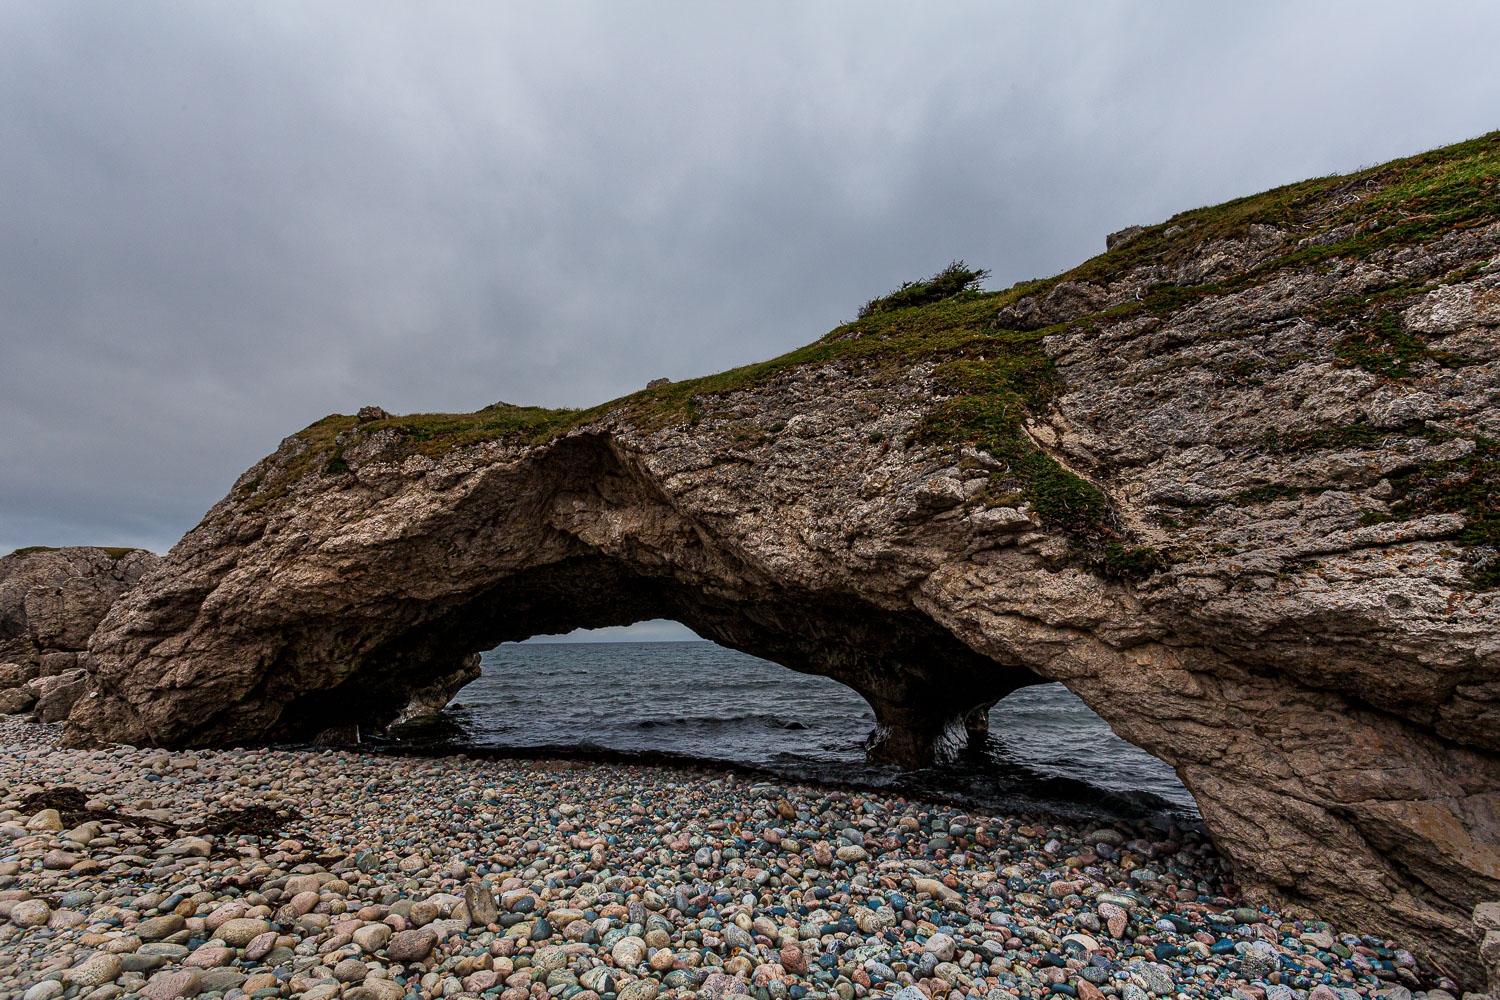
<point>387,878</point>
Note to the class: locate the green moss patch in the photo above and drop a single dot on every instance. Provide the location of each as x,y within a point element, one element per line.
<point>1469,486</point>
<point>1342,436</point>
<point>1382,347</point>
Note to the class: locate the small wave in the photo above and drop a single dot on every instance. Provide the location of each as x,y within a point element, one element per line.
<point>712,721</point>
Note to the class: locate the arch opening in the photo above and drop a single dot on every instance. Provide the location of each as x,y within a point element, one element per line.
<point>657,691</point>
<point>919,681</point>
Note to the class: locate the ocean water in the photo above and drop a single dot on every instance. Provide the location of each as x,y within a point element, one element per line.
<point>699,702</point>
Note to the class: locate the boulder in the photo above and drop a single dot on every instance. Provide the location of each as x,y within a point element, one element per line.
<point>55,695</point>
<point>14,701</point>
<point>51,600</point>
<point>15,674</point>
<point>1487,929</point>
<point>1116,240</point>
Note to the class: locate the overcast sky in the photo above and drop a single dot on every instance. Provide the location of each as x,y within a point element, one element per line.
<point>222,221</point>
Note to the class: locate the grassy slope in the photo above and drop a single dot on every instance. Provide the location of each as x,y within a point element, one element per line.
<point>1000,375</point>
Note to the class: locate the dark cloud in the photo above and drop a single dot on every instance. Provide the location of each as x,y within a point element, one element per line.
<point>220,222</point>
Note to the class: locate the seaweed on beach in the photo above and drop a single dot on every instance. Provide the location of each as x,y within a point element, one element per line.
<point>255,821</point>
<point>72,806</point>
<point>63,798</point>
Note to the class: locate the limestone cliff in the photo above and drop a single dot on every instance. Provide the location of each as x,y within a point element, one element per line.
<point>1233,482</point>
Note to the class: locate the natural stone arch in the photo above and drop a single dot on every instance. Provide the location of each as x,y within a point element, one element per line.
<point>1232,483</point>
<point>354,647</point>
<point>275,624</point>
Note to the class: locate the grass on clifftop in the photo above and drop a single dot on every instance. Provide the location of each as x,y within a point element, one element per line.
<point>114,552</point>
<point>999,376</point>
<point>1404,202</point>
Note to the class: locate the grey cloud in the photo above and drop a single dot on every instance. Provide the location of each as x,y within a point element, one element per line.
<point>221,222</point>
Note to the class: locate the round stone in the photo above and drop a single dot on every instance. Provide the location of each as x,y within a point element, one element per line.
<point>942,946</point>
<point>351,970</point>
<point>411,946</point>
<point>639,989</point>
<point>240,931</point>
<point>96,970</point>
<point>628,952</point>
<point>372,937</point>
<point>30,913</point>
<point>174,985</point>
<point>156,928</point>
<point>46,819</point>
<point>261,945</point>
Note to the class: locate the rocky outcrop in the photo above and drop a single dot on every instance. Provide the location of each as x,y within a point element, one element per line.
<point>51,600</point>
<point>1233,483</point>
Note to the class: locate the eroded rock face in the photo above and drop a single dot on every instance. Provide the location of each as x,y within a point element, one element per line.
<point>50,602</point>
<point>1240,509</point>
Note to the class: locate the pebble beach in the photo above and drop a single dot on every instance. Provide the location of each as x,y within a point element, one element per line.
<point>322,874</point>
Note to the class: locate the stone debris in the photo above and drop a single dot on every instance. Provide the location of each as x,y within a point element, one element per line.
<point>408,877</point>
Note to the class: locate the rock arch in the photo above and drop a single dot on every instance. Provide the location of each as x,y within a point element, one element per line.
<point>277,624</point>
<point>1232,483</point>
<point>344,634</point>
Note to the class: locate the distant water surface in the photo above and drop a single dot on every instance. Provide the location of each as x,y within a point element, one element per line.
<point>699,701</point>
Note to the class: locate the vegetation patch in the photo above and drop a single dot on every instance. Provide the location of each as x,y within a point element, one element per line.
<point>995,391</point>
<point>33,548</point>
<point>1401,203</point>
<point>1270,492</point>
<point>1132,563</point>
<point>336,465</point>
<point>955,279</point>
<point>1468,486</point>
<point>1357,435</point>
<point>1382,347</point>
<point>113,551</point>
